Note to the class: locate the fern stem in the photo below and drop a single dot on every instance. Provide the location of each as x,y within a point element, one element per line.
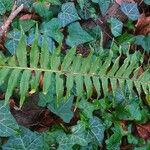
<point>73,73</point>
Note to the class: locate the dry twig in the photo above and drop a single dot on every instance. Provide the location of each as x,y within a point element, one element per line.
<point>15,11</point>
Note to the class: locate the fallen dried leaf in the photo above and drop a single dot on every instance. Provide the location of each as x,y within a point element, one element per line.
<point>143,131</point>
<point>143,25</point>
<point>122,1</point>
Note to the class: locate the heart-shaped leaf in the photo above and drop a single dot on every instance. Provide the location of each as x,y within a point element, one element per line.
<point>97,129</point>
<point>116,26</point>
<point>52,29</point>
<point>8,125</point>
<point>68,14</point>
<point>27,140</point>
<point>12,42</point>
<point>63,110</point>
<point>77,35</point>
<point>131,10</point>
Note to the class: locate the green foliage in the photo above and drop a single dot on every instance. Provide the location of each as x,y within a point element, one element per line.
<point>103,4</point>
<point>12,41</point>
<point>68,14</point>
<point>143,41</point>
<point>5,5</point>
<point>52,29</point>
<point>131,10</point>
<point>97,129</point>
<point>77,35</point>
<point>95,100</point>
<point>8,125</point>
<point>63,110</point>
<point>72,67</point>
<point>116,26</point>
<point>147,2</point>
<point>25,140</point>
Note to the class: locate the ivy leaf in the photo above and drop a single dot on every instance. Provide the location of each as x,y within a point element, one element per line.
<point>87,108</point>
<point>78,135</point>
<point>63,110</point>
<point>27,4</point>
<point>52,29</point>
<point>54,2</point>
<point>114,141</point>
<point>97,129</point>
<point>129,111</point>
<point>77,35</point>
<point>64,142</point>
<point>143,41</point>
<point>116,26</point>
<point>12,42</point>
<point>50,42</point>
<point>5,5</point>
<point>27,140</point>
<point>68,14</point>
<point>2,8</point>
<point>147,2</point>
<point>27,24</point>
<point>131,10</point>
<point>103,4</point>
<point>8,125</point>
<point>86,10</point>
<point>43,10</point>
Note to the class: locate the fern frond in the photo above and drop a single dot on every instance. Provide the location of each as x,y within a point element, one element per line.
<point>71,71</point>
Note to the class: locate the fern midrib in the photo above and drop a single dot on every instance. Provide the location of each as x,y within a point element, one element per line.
<point>72,73</point>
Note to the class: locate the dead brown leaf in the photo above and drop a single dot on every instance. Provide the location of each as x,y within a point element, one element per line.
<point>143,131</point>
<point>127,1</point>
<point>143,25</point>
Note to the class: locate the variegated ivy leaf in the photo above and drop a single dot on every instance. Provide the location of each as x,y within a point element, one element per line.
<point>43,10</point>
<point>86,107</point>
<point>103,4</point>
<point>64,142</point>
<point>131,10</point>
<point>8,125</point>
<point>52,29</point>
<point>54,2</point>
<point>147,2</point>
<point>27,4</point>
<point>68,14</point>
<point>2,8</point>
<point>12,42</point>
<point>27,140</point>
<point>63,110</point>
<point>50,42</point>
<point>5,5</point>
<point>27,24</point>
<point>77,35</point>
<point>116,26</point>
<point>97,129</point>
<point>79,134</point>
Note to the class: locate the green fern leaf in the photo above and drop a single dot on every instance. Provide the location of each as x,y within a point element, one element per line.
<point>71,73</point>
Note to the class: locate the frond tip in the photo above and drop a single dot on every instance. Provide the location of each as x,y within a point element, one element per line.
<point>70,71</point>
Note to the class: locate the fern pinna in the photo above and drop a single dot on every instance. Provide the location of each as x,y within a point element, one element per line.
<point>25,68</point>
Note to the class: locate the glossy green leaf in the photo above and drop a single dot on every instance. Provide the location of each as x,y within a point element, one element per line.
<point>52,29</point>
<point>68,14</point>
<point>77,35</point>
<point>26,140</point>
<point>24,85</point>
<point>131,10</point>
<point>97,128</point>
<point>63,110</point>
<point>116,26</point>
<point>8,125</point>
